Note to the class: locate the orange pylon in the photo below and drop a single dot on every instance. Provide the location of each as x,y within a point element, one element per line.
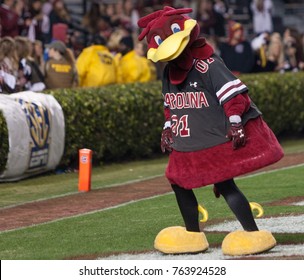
<point>85,170</point>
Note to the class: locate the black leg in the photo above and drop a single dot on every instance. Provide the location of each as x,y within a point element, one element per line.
<point>187,203</point>
<point>238,203</point>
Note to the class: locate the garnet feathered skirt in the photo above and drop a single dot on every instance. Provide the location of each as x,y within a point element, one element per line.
<point>219,163</point>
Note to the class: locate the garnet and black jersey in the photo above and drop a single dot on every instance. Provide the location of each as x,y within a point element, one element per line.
<point>198,120</point>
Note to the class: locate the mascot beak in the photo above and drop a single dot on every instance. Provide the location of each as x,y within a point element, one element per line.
<point>174,45</point>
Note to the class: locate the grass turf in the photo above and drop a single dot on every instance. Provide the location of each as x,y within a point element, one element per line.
<point>133,227</point>
<point>52,185</point>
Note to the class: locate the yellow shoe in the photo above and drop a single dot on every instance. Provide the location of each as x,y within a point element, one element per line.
<point>177,240</point>
<point>239,243</point>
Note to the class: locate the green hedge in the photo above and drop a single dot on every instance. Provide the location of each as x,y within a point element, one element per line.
<point>280,97</point>
<point>117,122</point>
<point>122,122</point>
<point>4,145</point>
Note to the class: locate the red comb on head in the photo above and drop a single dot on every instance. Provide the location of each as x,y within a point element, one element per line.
<point>147,21</point>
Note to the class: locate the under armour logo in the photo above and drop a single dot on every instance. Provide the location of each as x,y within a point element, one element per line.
<point>193,84</point>
<point>240,132</point>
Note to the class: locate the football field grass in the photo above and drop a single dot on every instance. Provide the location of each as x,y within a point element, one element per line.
<point>132,227</point>
<point>54,185</point>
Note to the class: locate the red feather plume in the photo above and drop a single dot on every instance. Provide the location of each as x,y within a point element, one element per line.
<point>147,21</point>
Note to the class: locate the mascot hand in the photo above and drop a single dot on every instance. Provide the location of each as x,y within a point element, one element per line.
<point>237,135</point>
<point>166,140</point>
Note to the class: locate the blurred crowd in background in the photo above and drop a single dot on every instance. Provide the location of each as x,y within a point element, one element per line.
<point>43,47</point>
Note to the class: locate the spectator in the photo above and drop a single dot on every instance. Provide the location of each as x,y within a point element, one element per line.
<point>96,65</point>
<point>221,7</point>
<point>110,11</point>
<point>210,21</point>
<point>90,20</point>
<point>260,47</point>
<point>37,54</point>
<point>46,9</point>
<point>120,13</point>
<point>130,66</point>
<point>276,51</point>
<point>269,52</point>
<point>60,32</point>
<point>237,52</point>
<point>104,28</point>
<point>8,65</point>
<point>114,39</point>
<point>9,19</point>
<point>291,62</point>
<point>29,75</point>
<point>20,8</point>
<point>60,70</point>
<point>7,80</point>
<point>76,41</point>
<point>133,14</point>
<point>59,15</point>
<point>8,54</point>
<point>39,26</point>
<point>262,16</point>
<point>293,49</point>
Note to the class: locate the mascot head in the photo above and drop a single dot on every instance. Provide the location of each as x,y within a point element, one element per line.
<point>168,32</point>
<point>172,37</point>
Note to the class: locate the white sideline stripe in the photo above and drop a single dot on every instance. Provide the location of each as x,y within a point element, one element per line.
<point>77,192</point>
<point>290,224</point>
<point>213,253</point>
<point>87,213</point>
<point>134,201</point>
<point>285,224</point>
<point>300,203</point>
<point>142,180</point>
<point>270,171</point>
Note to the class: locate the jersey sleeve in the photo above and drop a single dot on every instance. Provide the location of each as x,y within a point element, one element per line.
<point>224,83</point>
<point>237,105</point>
<point>166,112</point>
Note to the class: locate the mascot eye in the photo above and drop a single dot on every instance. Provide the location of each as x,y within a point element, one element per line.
<point>158,40</point>
<point>175,28</point>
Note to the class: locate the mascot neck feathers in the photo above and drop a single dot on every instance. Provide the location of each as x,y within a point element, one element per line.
<point>173,37</point>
